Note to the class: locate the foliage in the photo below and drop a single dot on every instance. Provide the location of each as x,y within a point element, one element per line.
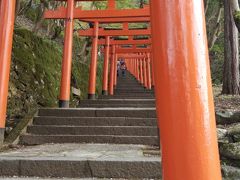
<point>36,72</point>
<point>217,59</point>
<point>237,19</point>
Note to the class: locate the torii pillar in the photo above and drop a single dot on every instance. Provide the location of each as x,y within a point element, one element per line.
<point>149,80</point>
<point>93,65</point>
<point>137,66</point>
<point>184,91</point>
<point>112,64</point>
<point>105,67</point>
<point>141,71</point>
<point>115,71</point>
<point>67,57</point>
<point>145,73</point>
<point>7,16</point>
<point>152,72</point>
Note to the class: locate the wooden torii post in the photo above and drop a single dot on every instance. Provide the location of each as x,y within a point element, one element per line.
<point>7,16</point>
<point>126,42</point>
<point>130,41</point>
<point>112,69</point>
<point>111,14</point>
<point>134,63</point>
<point>105,66</point>
<point>144,64</point>
<point>143,67</point>
<point>183,91</point>
<point>125,31</point>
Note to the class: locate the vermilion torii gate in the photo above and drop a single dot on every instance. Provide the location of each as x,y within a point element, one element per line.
<point>107,42</point>
<point>183,89</point>
<point>141,71</point>
<point>182,79</point>
<point>125,31</point>
<point>7,10</point>
<point>111,14</point>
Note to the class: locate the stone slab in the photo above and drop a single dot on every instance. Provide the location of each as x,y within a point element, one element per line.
<point>81,161</point>
<point>93,130</point>
<point>29,139</point>
<point>2,131</point>
<point>140,105</point>
<point>97,112</point>
<point>95,121</point>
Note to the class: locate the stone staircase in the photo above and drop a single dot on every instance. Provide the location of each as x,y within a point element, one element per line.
<point>104,138</point>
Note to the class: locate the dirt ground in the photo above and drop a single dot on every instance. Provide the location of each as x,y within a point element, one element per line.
<point>225,102</point>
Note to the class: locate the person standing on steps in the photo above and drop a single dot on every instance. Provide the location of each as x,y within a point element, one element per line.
<point>118,67</point>
<point>123,68</point>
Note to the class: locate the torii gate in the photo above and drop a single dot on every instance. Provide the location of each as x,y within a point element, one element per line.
<point>183,91</point>
<point>143,64</point>
<point>125,31</point>
<point>182,80</point>
<point>126,42</point>
<point>130,41</point>
<point>146,79</point>
<point>139,66</point>
<point>7,15</point>
<point>70,13</point>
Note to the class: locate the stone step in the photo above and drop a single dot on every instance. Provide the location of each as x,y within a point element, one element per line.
<point>133,85</point>
<point>80,161</point>
<point>98,105</point>
<point>127,82</point>
<point>137,85</point>
<point>95,121</point>
<point>29,139</point>
<point>93,130</point>
<point>119,101</point>
<point>129,94</point>
<point>129,86</point>
<point>99,112</point>
<point>135,96</point>
<point>131,90</point>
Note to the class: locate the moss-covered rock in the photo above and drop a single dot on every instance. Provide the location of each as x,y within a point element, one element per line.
<point>230,153</point>
<point>36,72</point>
<point>237,19</point>
<point>230,173</point>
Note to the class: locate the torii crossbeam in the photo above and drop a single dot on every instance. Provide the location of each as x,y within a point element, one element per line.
<point>122,32</point>
<point>126,42</point>
<point>70,13</point>
<point>78,13</point>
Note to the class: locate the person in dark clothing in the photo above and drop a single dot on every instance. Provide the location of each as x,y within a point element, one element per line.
<point>123,69</point>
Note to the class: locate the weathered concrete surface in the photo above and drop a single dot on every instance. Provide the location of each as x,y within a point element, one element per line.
<point>116,105</point>
<point>38,178</point>
<point>96,130</point>
<point>117,101</point>
<point>111,122</point>
<point>136,96</point>
<point>101,103</point>
<point>95,121</point>
<point>32,139</point>
<point>2,130</point>
<point>80,160</point>
<point>99,112</point>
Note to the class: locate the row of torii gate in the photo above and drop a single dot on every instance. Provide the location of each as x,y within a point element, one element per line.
<point>175,58</point>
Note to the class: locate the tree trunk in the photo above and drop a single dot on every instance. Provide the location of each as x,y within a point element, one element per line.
<point>217,32</point>
<point>206,4</point>
<point>43,6</point>
<point>18,6</point>
<point>231,59</point>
